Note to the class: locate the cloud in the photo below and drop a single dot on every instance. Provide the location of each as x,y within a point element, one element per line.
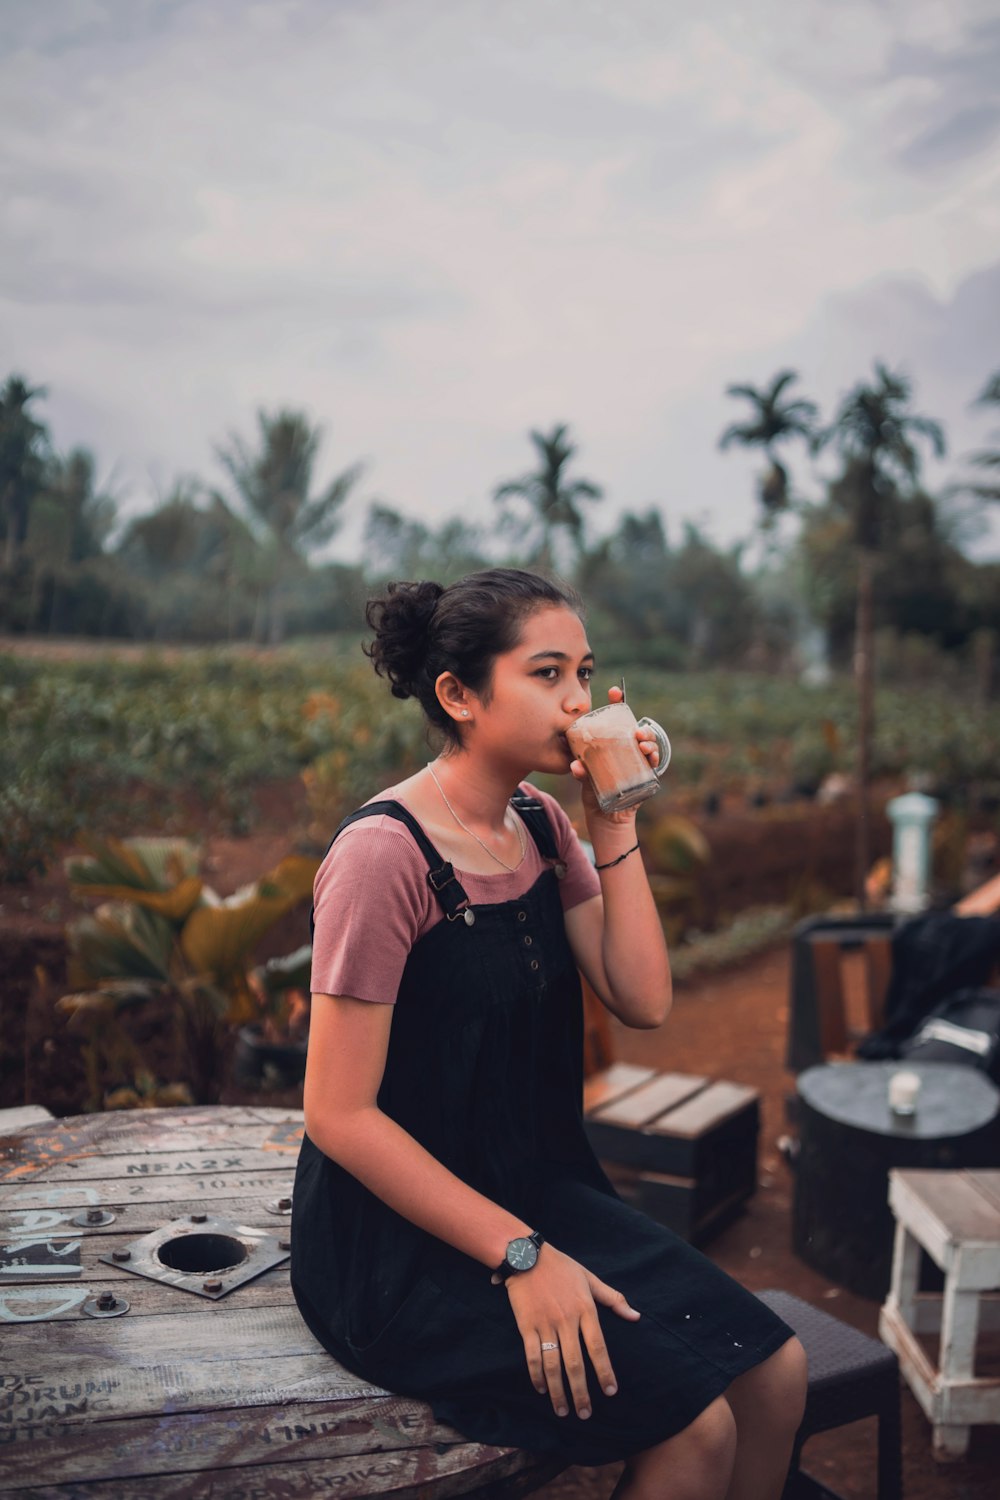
<point>437,225</point>
<point>963,134</point>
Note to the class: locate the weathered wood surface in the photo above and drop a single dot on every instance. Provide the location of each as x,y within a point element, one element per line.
<point>22,1116</point>
<point>154,1405</point>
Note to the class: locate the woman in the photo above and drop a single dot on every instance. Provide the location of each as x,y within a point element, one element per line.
<point>453,1236</point>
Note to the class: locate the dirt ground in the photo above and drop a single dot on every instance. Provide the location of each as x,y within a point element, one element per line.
<point>732,1025</point>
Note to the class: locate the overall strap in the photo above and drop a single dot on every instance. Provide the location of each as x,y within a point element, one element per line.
<point>536,820</point>
<point>441,875</point>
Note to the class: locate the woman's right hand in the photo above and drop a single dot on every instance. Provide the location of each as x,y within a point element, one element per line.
<point>556,1303</point>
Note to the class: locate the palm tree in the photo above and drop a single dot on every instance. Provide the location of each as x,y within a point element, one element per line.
<point>273,484</point>
<point>82,516</point>
<point>23,442</point>
<point>875,436</point>
<point>69,524</point>
<point>772,421</point>
<point>987,458</point>
<point>553,501</point>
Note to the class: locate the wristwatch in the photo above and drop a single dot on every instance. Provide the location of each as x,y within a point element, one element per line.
<point>522,1253</point>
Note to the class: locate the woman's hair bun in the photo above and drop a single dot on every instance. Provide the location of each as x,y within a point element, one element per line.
<point>401,621</point>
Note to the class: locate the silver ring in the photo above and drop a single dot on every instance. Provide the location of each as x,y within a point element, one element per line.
<point>550,1346</point>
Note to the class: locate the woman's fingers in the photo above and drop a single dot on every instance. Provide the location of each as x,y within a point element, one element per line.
<point>533,1354</point>
<point>562,1352</point>
<point>590,1326</point>
<point>607,1296</point>
<point>551,1355</point>
<point>649,748</point>
<point>556,1313</point>
<point>576,1374</point>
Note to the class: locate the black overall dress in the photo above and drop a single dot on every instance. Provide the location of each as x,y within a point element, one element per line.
<point>484,1069</point>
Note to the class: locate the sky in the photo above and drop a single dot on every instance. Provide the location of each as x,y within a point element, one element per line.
<point>436,224</point>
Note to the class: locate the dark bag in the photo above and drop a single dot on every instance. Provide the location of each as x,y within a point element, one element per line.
<point>965,1028</point>
<point>934,956</point>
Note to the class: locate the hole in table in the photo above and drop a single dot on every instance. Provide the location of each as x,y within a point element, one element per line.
<point>201,1252</point>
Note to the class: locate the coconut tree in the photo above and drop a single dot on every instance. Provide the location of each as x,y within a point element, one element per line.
<point>23,444</point>
<point>987,458</point>
<point>773,420</point>
<point>70,521</point>
<point>553,500</point>
<point>876,435</point>
<point>273,482</point>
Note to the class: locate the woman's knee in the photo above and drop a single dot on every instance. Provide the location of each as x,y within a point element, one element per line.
<point>712,1435</point>
<point>784,1382</point>
<point>696,1462</point>
<point>795,1379</point>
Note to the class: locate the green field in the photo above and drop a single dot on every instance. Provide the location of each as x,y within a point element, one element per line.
<point>100,739</point>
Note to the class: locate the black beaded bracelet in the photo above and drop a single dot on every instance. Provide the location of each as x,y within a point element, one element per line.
<point>612,862</point>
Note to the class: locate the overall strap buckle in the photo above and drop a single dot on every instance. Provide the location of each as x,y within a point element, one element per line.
<point>454,901</point>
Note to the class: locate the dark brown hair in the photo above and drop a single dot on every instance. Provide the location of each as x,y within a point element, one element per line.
<point>424,629</point>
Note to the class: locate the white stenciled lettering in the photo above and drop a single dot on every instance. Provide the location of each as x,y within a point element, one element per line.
<point>51,1195</point>
<point>35,1304</point>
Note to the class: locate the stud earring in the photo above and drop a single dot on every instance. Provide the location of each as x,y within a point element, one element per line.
<point>465,713</point>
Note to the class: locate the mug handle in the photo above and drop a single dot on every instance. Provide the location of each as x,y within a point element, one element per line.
<point>659,734</point>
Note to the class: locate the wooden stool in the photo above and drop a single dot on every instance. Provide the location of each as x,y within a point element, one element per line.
<point>955,1217</point>
<point>681,1148</point>
<point>850,1376</point>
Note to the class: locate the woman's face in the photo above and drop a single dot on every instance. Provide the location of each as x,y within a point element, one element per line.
<point>538,689</point>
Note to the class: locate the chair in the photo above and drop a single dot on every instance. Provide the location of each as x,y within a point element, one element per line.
<point>817,1011</point>
<point>850,1376</point>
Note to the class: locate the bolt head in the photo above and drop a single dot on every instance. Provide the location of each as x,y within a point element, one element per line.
<point>212,1286</point>
<point>198,1218</point>
<point>121,1255</point>
<point>94,1215</point>
<point>284,1204</point>
<point>284,1244</point>
<point>106,1301</point>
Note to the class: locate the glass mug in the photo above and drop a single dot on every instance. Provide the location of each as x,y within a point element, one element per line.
<point>604,740</point>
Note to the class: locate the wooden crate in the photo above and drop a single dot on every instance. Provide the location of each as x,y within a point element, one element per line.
<point>682,1148</point>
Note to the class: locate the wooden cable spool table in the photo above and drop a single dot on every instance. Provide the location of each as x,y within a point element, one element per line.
<point>150,1347</point>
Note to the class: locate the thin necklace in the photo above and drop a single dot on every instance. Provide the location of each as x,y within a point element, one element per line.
<point>517,824</point>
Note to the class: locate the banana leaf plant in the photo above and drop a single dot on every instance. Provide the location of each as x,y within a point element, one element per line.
<point>162,935</point>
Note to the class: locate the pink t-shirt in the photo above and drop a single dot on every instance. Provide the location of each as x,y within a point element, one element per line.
<point>372,900</point>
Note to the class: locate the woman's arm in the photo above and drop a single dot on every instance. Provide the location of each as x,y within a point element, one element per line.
<point>348,1040</point>
<point>617,937</point>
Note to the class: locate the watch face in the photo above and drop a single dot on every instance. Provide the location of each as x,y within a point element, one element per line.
<point>522,1254</point>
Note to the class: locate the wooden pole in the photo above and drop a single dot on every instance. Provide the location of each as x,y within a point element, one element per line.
<point>864,676</point>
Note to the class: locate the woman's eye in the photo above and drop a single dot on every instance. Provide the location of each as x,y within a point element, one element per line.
<point>548,673</point>
<point>586,674</point>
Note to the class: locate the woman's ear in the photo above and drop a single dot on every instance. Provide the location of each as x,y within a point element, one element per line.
<point>453,697</point>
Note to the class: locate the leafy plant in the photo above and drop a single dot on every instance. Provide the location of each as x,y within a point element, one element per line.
<point>678,853</point>
<point>281,990</point>
<point>162,935</point>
